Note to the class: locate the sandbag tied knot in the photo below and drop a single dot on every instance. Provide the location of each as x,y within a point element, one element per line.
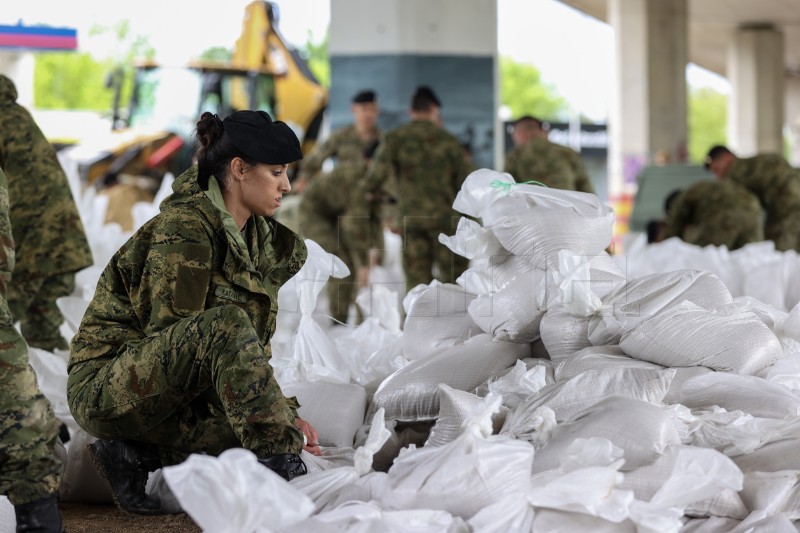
<point>506,185</point>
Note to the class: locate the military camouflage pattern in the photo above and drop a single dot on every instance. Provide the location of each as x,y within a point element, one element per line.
<point>344,145</point>
<point>429,167</point>
<point>28,429</point>
<point>174,347</point>
<point>777,186</point>
<point>33,299</point>
<point>554,165</point>
<point>716,212</point>
<point>325,210</point>
<point>47,229</point>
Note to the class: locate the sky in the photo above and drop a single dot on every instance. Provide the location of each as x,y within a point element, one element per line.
<point>574,52</point>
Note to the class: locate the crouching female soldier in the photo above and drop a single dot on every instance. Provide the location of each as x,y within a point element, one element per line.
<point>172,356</point>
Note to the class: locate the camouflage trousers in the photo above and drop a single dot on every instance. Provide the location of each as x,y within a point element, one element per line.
<point>202,385</point>
<point>28,430</point>
<point>32,300</point>
<point>342,236</point>
<point>423,254</point>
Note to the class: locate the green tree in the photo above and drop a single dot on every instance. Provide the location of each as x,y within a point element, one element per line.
<point>316,55</point>
<point>217,53</point>
<point>708,119</point>
<point>524,92</point>
<point>69,80</point>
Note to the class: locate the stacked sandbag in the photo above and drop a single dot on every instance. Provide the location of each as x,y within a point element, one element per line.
<point>336,410</point>
<point>689,335</point>
<point>564,333</point>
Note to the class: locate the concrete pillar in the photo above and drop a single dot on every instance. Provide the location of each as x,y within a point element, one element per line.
<point>756,104</point>
<point>792,119</point>
<point>649,112</point>
<point>392,46</point>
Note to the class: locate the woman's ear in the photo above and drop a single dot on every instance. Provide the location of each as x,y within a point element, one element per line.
<point>235,168</point>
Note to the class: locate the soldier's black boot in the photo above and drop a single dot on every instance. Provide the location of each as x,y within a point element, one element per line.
<point>126,465</point>
<point>286,465</point>
<point>39,516</point>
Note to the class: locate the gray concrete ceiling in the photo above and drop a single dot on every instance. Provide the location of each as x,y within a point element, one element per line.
<point>712,22</point>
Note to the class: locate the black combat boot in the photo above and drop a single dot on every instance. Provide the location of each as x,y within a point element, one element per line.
<point>126,465</point>
<point>39,516</point>
<point>286,465</point>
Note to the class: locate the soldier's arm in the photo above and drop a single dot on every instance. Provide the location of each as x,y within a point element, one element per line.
<point>311,165</point>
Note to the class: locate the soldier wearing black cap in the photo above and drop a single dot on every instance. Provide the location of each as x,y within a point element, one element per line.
<point>429,167</point>
<point>346,147</point>
<point>172,355</point>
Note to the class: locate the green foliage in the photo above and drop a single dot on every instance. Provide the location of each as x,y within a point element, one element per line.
<point>316,55</point>
<point>524,93</point>
<point>708,119</point>
<point>69,80</point>
<point>217,53</point>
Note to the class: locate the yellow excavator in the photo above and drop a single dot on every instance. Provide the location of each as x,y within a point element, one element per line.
<point>152,136</point>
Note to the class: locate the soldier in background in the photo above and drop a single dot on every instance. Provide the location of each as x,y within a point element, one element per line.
<point>347,144</point>
<point>776,185</point>
<point>328,212</point>
<point>720,213</point>
<point>535,158</point>
<point>51,245</point>
<point>429,167</point>
<point>29,471</point>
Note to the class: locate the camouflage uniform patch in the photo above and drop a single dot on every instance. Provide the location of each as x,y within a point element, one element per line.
<point>28,429</point>
<point>49,235</point>
<point>554,165</point>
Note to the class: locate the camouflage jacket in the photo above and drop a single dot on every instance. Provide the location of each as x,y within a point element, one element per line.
<point>6,237</point>
<point>711,212</point>
<point>189,258</point>
<point>771,179</point>
<point>343,144</point>
<point>48,232</point>
<point>331,194</point>
<point>554,165</point>
<point>428,165</point>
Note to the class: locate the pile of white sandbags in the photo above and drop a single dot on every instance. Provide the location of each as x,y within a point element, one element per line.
<point>548,390</point>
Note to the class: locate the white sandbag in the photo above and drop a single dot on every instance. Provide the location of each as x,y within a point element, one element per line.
<point>234,493</point>
<point>336,410</point>
<point>372,351</point>
<point>563,333</point>
<point>455,408</point>
<point>323,486</point>
<point>553,521</point>
<point>527,377</point>
<point>713,524</point>
<point>772,457</point>
<point>569,397</point>
<point>738,433</point>
<point>643,431</point>
<point>51,376</point>
<point>158,487</point>
<point>480,189</point>
<point>367,517</point>
<point>514,312</point>
<point>701,481</point>
<point>472,240</point>
<point>72,309</point>
<point>411,393</point>
<point>784,372</point>
<point>8,520</point>
<point>772,492</point>
<point>436,319</point>
<point>442,477</point>
<point>639,299</point>
<point>759,522</point>
<point>688,335</point>
<point>733,392</point>
<point>81,481</point>
<point>772,317</point>
<point>682,374</point>
<point>598,358</point>
<point>541,221</point>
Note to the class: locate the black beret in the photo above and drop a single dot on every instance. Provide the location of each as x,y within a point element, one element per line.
<point>260,139</point>
<point>427,93</point>
<point>365,97</point>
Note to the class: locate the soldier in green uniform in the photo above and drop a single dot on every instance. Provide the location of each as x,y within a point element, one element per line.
<point>51,245</point>
<point>535,158</point>
<point>346,147</point>
<point>29,472</point>
<point>172,355</point>
<point>776,185</point>
<point>718,213</point>
<point>325,212</point>
<point>429,166</point>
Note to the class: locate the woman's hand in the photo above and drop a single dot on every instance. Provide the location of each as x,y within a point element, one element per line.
<point>311,436</point>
